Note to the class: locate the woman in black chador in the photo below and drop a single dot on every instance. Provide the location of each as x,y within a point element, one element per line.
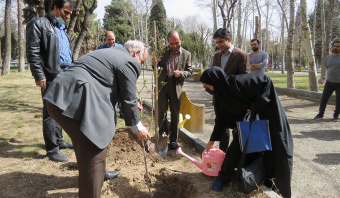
<point>234,95</point>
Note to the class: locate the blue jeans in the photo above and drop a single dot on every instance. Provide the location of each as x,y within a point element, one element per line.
<point>327,92</point>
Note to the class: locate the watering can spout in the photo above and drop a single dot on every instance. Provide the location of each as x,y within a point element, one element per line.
<point>198,164</point>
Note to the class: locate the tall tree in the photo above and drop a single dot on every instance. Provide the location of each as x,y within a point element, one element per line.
<point>289,57</point>
<point>283,37</point>
<point>313,85</point>
<point>114,19</point>
<point>239,23</point>
<point>21,66</point>
<point>227,11</point>
<point>259,34</point>
<point>6,65</point>
<point>328,33</point>
<point>84,28</point>
<point>34,9</point>
<point>73,19</point>
<point>158,14</point>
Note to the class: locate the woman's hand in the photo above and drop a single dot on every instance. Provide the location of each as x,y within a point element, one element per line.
<point>209,146</point>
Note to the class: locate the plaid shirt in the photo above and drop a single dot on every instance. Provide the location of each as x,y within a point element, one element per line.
<point>64,46</point>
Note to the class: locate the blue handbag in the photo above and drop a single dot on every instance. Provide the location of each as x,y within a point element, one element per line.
<point>259,137</point>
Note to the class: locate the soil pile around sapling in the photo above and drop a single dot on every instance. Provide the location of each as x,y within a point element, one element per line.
<point>169,177</point>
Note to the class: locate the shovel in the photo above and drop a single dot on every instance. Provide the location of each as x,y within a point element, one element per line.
<point>158,143</point>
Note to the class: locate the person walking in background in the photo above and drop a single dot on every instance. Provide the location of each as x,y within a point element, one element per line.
<point>82,99</point>
<point>258,58</point>
<point>110,38</point>
<point>233,61</point>
<point>332,83</point>
<point>48,51</point>
<point>234,95</point>
<point>175,66</point>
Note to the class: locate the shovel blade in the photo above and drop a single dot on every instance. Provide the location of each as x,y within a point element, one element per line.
<point>160,145</point>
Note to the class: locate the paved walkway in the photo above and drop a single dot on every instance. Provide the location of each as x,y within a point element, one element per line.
<point>316,143</point>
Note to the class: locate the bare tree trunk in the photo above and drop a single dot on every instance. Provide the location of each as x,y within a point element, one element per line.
<point>328,36</point>
<point>256,27</point>
<point>21,66</point>
<point>259,34</point>
<point>0,54</point>
<point>73,20</point>
<point>239,21</point>
<point>267,24</point>
<point>314,24</point>
<point>227,11</point>
<point>85,27</point>
<point>215,14</point>
<point>289,57</point>
<point>214,10</point>
<point>283,38</point>
<point>7,57</point>
<point>313,85</point>
<point>284,12</point>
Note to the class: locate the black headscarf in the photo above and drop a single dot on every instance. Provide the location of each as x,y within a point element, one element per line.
<point>234,94</point>
<point>248,91</point>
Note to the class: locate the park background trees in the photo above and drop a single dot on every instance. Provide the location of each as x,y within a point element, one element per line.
<point>279,24</point>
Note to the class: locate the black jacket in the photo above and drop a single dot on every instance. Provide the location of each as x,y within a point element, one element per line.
<point>42,48</point>
<point>235,94</point>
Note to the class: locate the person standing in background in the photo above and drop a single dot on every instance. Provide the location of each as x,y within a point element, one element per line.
<point>332,83</point>
<point>48,52</point>
<point>175,66</point>
<point>110,38</point>
<point>258,58</point>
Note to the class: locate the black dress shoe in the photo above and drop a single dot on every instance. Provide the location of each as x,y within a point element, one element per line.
<point>110,175</point>
<point>57,156</point>
<point>173,146</point>
<point>65,145</point>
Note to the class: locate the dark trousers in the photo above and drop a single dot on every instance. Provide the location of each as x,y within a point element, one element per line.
<point>90,159</point>
<point>52,131</point>
<point>232,159</point>
<point>327,92</point>
<point>167,96</point>
<point>224,141</point>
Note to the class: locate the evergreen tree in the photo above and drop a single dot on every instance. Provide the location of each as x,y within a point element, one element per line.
<point>115,19</point>
<point>158,14</point>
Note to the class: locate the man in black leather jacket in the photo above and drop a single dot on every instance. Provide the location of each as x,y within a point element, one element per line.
<point>48,51</point>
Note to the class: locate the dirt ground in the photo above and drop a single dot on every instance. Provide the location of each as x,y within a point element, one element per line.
<point>26,172</point>
<point>171,177</point>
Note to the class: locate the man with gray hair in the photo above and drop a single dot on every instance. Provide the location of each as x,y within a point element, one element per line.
<point>82,99</point>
